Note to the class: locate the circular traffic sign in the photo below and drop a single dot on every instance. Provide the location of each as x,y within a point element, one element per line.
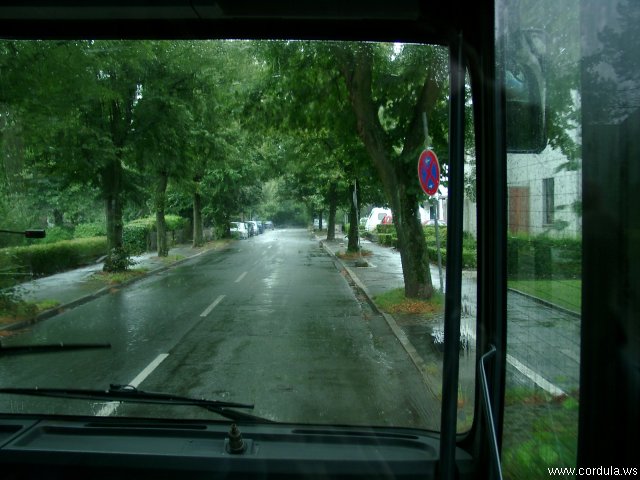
<point>429,172</point>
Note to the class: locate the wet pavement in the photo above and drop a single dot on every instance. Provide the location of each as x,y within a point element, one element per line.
<point>543,342</point>
<point>66,287</point>
<point>270,321</point>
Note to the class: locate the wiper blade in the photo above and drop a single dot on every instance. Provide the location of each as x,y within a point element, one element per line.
<point>130,394</point>
<point>53,347</point>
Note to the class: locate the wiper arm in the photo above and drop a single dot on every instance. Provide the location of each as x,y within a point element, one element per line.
<point>128,393</point>
<point>54,347</point>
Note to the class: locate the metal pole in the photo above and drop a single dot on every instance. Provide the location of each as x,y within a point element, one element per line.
<point>425,126</point>
<point>438,244</point>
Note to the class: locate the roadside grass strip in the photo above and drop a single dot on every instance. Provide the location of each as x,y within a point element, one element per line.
<point>564,293</point>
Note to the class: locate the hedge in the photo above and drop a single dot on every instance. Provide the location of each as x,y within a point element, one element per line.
<point>544,257</point>
<point>49,258</point>
<point>527,257</point>
<point>87,230</point>
<point>54,235</point>
<point>135,234</point>
<point>387,237</point>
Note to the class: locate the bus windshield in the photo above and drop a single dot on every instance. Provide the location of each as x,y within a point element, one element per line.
<point>205,207</point>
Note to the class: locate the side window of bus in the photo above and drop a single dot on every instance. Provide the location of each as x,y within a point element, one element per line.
<point>543,241</point>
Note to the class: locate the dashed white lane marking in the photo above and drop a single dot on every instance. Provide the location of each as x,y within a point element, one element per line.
<point>532,375</point>
<point>111,407</point>
<point>212,306</point>
<point>535,377</point>
<point>239,279</point>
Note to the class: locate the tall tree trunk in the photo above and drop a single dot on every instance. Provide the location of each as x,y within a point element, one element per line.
<point>197,219</point>
<point>333,207</point>
<point>116,256</point>
<point>413,249</point>
<point>119,114</point>
<point>357,70</point>
<point>320,220</point>
<point>352,245</point>
<point>113,212</point>
<point>113,204</point>
<point>161,225</point>
<point>58,217</point>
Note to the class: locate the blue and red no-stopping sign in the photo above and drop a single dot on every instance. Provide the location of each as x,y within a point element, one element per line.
<point>429,172</point>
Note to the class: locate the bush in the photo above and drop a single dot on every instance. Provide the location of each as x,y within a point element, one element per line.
<point>430,234</point>
<point>432,251</point>
<point>543,257</point>
<point>87,230</point>
<point>55,234</point>
<point>469,258</point>
<point>136,234</point>
<point>118,260</point>
<point>386,229</point>
<point>174,222</point>
<point>49,258</point>
<point>387,239</point>
<point>135,237</point>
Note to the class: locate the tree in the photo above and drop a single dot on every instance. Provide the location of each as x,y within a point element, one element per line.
<point>390,126</point>
<point>164,122</point>
<point>320,154</point>
<point>76,102</point>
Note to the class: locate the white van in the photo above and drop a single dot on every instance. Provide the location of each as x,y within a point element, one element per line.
<point>375,218</point>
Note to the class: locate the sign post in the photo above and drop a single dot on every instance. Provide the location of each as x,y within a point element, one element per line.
<point>429,172</point>
<point>429,177</point>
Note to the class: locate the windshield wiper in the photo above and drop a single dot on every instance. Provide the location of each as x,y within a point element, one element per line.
<point>53,347</point>
<point>130,394</point>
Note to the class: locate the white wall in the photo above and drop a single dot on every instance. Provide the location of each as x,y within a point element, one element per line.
<point>529,170</point>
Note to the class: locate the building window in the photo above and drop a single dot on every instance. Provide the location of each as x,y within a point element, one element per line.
<point>548,199</point>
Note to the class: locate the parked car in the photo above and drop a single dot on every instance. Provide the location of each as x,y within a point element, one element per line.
<point>239,230</point>
<point>253,227</point>
<point>424,219</point>
<point>268,225</point>
<point>375,218</point>
<point>441,223</point>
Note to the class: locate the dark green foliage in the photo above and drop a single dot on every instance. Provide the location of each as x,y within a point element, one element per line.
<point>543,433</point>
<point>135,237</point>
<point>174,222</point>
<point>12,305</point>
<point>56,234</point>
<point>387,237</point>
<point>46,259</point>
<point>136,234</point>
<point>543,257</point>
<point>118,260</point>
<point>86,230</point>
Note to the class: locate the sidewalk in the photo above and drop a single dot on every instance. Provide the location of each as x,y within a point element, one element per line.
<point>543,342</point>
<point>78,286</point>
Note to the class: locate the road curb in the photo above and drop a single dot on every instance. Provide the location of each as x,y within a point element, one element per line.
<point>546,303</point>
<point>94,295</point>
<point>415,357</point>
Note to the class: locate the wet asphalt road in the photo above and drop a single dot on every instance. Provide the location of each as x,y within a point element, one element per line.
<point>270,321</point>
